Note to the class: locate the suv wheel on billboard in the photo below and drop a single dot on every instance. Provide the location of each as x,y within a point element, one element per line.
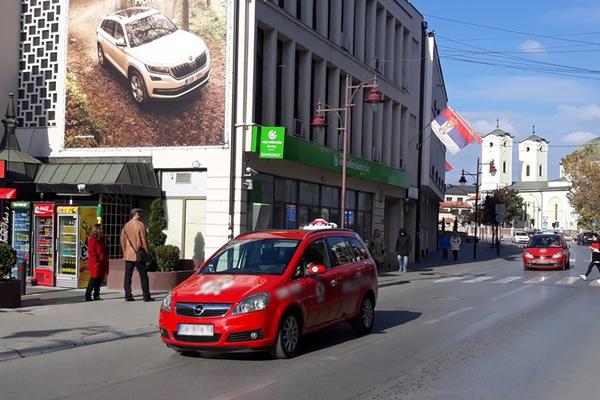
<point>138,89</point>
<point>101,59</point>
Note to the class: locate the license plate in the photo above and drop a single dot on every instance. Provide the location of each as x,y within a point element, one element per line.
<point>196,330</point>
<point>193,78</point>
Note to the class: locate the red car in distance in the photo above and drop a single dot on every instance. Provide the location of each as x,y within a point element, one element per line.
<point>546,251</point>
<point>265,290</point>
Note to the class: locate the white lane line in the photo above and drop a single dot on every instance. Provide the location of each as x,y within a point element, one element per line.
<point>509,279</point>
<point>479,279</point>
<point>509,293</point>
<point>449,315</point>
<point>449,279</point>
<point>537,279</point>
<point>568,280</point>
<point>244,392</point>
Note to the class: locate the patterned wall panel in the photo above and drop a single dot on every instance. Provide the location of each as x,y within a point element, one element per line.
<point>39,65</point>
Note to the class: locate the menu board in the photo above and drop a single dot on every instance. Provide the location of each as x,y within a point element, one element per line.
<point>21,236</point>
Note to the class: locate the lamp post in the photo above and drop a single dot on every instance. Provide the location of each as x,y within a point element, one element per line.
<point>462,181</point>
<point>374,98</point>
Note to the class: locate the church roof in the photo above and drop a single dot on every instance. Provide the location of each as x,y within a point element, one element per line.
<point>498,132</point>
<point>540,186</point>
<point>534,138</point>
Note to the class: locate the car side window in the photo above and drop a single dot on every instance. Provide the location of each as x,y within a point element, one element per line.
<point>315,253</point>
<point>108,26</point>
<point>357,248</point>
<point>118,32</point>
<point>338,251</point>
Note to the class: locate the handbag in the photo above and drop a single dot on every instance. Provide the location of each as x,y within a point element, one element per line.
<point>141,255</point>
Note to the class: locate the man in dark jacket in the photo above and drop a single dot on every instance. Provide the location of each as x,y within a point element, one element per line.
<point>403,249</point>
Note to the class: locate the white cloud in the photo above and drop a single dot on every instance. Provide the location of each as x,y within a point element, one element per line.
<point>532,46</point>
<point>579,137</point>
<point>527,89</point>
<point>585,115</point>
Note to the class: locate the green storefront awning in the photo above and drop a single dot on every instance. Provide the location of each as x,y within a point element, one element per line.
<point>99,176</point>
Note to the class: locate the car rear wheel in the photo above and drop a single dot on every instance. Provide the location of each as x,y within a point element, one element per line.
<point>363,323</point>
<point>138,88</point>
<point>288,337</point>
<point>101,58</point>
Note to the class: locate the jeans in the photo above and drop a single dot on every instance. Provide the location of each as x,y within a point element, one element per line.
<point>403,262</point>
<point>93,284</point>
<point>591,267</point>
<point>445,254</point>
<point>455,254</point>
<point>141,267</point>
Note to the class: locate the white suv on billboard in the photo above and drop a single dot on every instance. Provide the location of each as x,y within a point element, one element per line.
<point>160,60</point>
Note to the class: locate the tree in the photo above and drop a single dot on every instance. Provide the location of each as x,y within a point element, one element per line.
<point>157,223</point>
<point>582,168</point>
<point>510,198</point>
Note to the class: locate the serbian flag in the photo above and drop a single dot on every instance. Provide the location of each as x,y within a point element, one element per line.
<point>453,131</point>
<point>448,166</point>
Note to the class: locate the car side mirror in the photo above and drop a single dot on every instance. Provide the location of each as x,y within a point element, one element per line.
<point>315,269</point>
<point>120,42</point>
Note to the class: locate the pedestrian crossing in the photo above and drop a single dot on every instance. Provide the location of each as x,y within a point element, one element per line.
<point>526,280</point>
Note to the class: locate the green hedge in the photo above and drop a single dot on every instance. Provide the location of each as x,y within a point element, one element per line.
<point>167,257</point>
<point>8,258</point>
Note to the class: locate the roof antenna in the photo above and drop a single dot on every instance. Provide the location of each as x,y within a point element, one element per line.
<point>497,123</point>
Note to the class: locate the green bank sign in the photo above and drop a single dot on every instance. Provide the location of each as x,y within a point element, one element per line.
<point>272,142</point>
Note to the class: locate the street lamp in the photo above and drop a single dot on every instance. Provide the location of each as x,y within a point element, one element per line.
<point>463,180</point>
<point>374,98</point>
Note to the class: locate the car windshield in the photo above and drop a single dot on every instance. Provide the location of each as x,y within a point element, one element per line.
<point>543,241</point>
<point>253,257</point>
<point>148,29</point>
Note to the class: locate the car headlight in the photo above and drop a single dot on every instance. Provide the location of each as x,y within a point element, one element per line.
<point>252,303</point>
<point>158,70</point>
<point>166,303</point>
<point>528,255</point>
<point>558,255</point>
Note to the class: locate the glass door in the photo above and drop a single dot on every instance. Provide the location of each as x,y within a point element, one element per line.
<point>67,254</point>
<point>20,239</point>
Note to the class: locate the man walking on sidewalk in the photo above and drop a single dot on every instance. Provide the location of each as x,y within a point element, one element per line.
<point>403,248</point>
<point>136,251</point>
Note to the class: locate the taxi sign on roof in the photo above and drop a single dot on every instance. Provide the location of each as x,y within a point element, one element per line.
<point>319,223</point>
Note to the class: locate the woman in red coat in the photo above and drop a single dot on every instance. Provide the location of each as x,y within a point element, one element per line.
<point>98,261</point>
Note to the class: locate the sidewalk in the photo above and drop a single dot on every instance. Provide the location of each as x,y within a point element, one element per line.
<point>54,319</point>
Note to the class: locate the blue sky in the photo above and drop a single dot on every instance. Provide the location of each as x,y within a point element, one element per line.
<point>564,108</point>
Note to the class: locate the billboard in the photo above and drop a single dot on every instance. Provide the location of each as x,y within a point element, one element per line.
<point>146,73</point>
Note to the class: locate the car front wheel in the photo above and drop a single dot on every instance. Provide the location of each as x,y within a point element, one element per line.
<point>288,337</point>
<point>101,58</point>
<point>363,323</point>
<point>138,88</point>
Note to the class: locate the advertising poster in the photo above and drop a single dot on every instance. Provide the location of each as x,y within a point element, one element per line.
<point>145,73</point>
<point>87,220</point>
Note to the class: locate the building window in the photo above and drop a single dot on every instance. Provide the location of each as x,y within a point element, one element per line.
<point>540,170</point>
<point>527,171</point>
<point>115,214</point>
<point>448,198</point>
<point>459,199</point>
<point>503,167</point>
<point>527,149</point>
<point>556,212</point>
<point>491,144</point>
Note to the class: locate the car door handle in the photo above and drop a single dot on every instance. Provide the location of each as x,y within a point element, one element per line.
<point>333,283</point>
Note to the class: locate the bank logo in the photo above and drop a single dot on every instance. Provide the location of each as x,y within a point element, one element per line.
<point>272,134</point>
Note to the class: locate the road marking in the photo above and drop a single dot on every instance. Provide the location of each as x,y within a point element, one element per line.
<point>244,392</point>
<point>537,279</point>
<point>479,279</point>
<point>449,279</point>
<point>568,280</point>
<point>449,315</point>
<point>509,279</point>
<point>509,293</point>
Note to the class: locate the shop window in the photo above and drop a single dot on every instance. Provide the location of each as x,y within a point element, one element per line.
<point>330,196</point>
<point>115,214</point>
<point>286,190</point>
<point>308,193</point>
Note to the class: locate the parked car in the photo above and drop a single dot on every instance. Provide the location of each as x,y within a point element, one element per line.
<point>160,60</point>
<point>546,251</point>
<point>585,238</point>
<point>520,237</point>
<point>267,289</point>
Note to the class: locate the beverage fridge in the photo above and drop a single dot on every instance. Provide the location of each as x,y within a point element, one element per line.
<point>21,238</point>
<point>73,225</point>
<point>43,243</point>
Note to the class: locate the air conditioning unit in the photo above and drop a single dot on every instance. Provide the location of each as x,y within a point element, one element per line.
<point>298,128</point>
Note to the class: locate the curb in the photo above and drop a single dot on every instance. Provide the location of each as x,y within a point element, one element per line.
<point>392,283</point>
<point>50,347</point>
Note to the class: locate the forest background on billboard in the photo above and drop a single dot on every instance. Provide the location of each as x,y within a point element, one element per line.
<point>145,73</point>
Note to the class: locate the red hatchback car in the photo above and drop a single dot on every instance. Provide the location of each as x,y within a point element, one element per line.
<point>264,290</point>
<point>547,251</point>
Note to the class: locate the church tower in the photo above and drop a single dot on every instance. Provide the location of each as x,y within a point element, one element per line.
<point>533,157</point>
<point>497,148</point>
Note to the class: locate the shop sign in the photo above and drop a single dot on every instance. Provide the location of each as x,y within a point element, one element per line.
<point>308,153</point>
<point>43,208</point>
<point>4,222</point>
<point>272,142</point>
<point>20,205</point>
<point>66,210</point>
<point>2,169</point>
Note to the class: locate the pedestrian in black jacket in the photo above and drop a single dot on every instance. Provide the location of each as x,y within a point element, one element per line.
<point>403,249</point>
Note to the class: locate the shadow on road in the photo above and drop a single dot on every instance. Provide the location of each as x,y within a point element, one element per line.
<point>49,332</point>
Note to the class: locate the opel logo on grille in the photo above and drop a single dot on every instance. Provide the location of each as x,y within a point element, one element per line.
<point>198,310</point>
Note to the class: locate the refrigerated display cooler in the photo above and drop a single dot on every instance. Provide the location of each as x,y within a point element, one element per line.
<point>21,238</point>
<point>43,243</point>
<point>73,225</point>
